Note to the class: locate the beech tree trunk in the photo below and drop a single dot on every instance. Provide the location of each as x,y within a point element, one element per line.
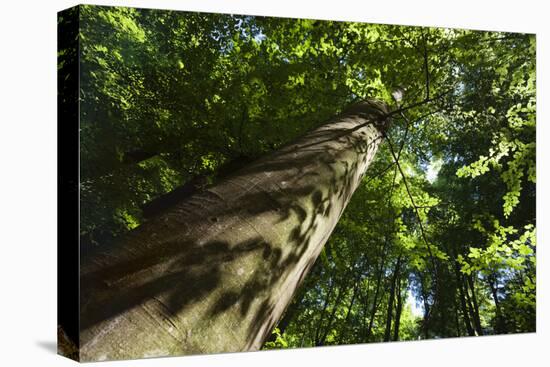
<point>216,271</point>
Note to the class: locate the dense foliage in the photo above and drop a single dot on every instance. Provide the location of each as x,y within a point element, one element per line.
<point>438,241</point>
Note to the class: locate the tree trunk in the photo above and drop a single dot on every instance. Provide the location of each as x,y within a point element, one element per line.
<point>322,314</point>
<point>215,272</point>
<point>362,332</point>
<point>457,322</point>
<point>427,309</point>
<point>343,331</point>
<point>374,308</point>
<point>376,291</point>
<point>477,320</point>
<point>387,333</point>
<point>288,315</point>
<point>342,292</point>
<point>398,311</point>
<point>460,283</point>
<point>500,323</point>
<point>470,306</point>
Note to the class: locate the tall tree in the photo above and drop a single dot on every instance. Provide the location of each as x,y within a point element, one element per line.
<point>232,254</point>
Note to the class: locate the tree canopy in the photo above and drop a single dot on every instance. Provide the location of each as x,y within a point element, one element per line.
<point>438,240</point>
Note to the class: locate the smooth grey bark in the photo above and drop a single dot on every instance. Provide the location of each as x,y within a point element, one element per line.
<point>216,271</point>
<point>288,315</point>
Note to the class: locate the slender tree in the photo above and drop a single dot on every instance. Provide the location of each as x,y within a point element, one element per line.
<point>463,305</point>
<point>475,308</point>
<point>398,310</point>
<point>391,299</point>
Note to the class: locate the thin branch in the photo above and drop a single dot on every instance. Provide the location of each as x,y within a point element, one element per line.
<point>398,154</point>
<point>381,172</point>
<point>412,203</point>
<point>503,38</point>
<point>407,126</point>
<point>392,113</point>
<point>426,100</point>
<point>392,185</point>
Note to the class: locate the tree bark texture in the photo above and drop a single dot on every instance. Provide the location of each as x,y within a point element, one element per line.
<point>216,271</point>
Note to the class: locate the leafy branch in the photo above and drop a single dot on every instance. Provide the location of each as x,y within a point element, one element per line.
<point>415,207</point>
